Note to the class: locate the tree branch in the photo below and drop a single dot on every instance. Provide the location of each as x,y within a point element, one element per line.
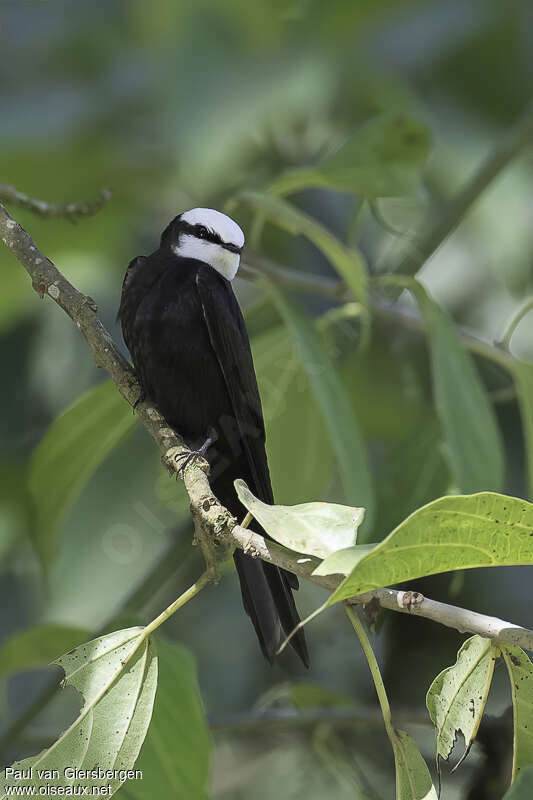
<point>211,519</point>
<point>71,211</point>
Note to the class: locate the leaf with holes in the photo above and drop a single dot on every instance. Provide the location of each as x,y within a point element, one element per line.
<point>520,671</point>
<point>456,699</point>
<point>456,532</point>
<point>116,676</point>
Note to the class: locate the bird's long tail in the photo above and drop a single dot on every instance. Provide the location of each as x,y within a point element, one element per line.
<point>267,597</point>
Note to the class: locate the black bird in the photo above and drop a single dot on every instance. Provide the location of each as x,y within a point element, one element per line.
<point>186,334</point>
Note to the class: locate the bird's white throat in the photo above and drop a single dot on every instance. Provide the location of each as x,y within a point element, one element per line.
<point>224,261</point>
<point>202,226</point>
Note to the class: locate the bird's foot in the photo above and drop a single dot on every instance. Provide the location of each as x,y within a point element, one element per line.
<point>212,436</point>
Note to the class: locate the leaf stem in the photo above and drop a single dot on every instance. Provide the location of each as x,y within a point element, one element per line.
<point>192,591</point>
<point>513,323</point>
<point>359,629</point>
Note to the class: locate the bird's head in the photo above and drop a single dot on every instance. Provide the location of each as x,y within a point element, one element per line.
<point>207,235</point>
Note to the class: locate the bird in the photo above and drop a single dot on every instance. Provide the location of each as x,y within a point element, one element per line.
<point>187,338</point>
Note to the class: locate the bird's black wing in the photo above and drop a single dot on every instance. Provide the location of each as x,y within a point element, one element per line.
<point>229,339</point>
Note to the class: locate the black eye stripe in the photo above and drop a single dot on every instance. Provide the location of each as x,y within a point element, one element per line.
<point>206,235</point>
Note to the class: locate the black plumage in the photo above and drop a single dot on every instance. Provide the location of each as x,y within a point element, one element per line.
<point>186,334</point>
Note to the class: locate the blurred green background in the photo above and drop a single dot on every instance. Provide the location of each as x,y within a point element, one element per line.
<point>175,104</point>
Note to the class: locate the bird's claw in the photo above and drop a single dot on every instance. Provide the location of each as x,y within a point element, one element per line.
<point>199,453</point>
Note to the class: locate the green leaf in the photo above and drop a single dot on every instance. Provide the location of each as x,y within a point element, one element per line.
<point>520,671</point>
<point>175,755</point>
<point>349,263</point>
<point>300,455</point>
<point>402,485</point>
<point>72,449</point>
<point>472,435</point>
<point>384,158</point>
<point>523,375</point>
<point>456,699</point>
<point>522,787</point>
<point>457,532</point>
<point>315,528</point>
<point>37,646</point>
<point>413,781</point>
<point>342,562</point>
<point>117,677</point>
<point>337,411</point>
<point>473,439</point>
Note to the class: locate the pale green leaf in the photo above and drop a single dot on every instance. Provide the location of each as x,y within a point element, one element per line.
<point>116,676</point>
<point>72,449</point>
<point>413,781</point>
<point>175,755</point>
<point>338,413</point>
<point>342,562</point>
<point>38,646</point>
<point>457,532</point>
<point>456,698</point>
<point>522,787</point>
<point>523,375</point>
<point>314,528</point>
<point>383,159</point>
<point>520,671</point>
<point>348,262</point>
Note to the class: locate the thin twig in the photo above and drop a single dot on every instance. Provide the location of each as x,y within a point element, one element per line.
<point>71,211</point>
<point>514,322</point>
<point>436,232</point>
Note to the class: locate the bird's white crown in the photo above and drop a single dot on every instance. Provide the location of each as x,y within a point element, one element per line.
<point>212,237</point>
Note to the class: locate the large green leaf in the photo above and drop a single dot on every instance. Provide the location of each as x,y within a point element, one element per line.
<point>457,532</point>
<point>315,528</point>
<point>384,158</point>
<point>456,699</point>
<point>403,486</point>
<point>413,781</point>
<point>348,262</point>
<point>334,403</point>
<point>520,671</point>
<point>175,755</point>
<point>474,443</point>
<point>37,646</point>
<point>300,455</point>
<point>72,449</point>
<point>116,676</point>
<point>523,375</point>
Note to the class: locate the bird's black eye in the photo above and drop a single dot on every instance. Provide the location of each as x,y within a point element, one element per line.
<point>202,232</point>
